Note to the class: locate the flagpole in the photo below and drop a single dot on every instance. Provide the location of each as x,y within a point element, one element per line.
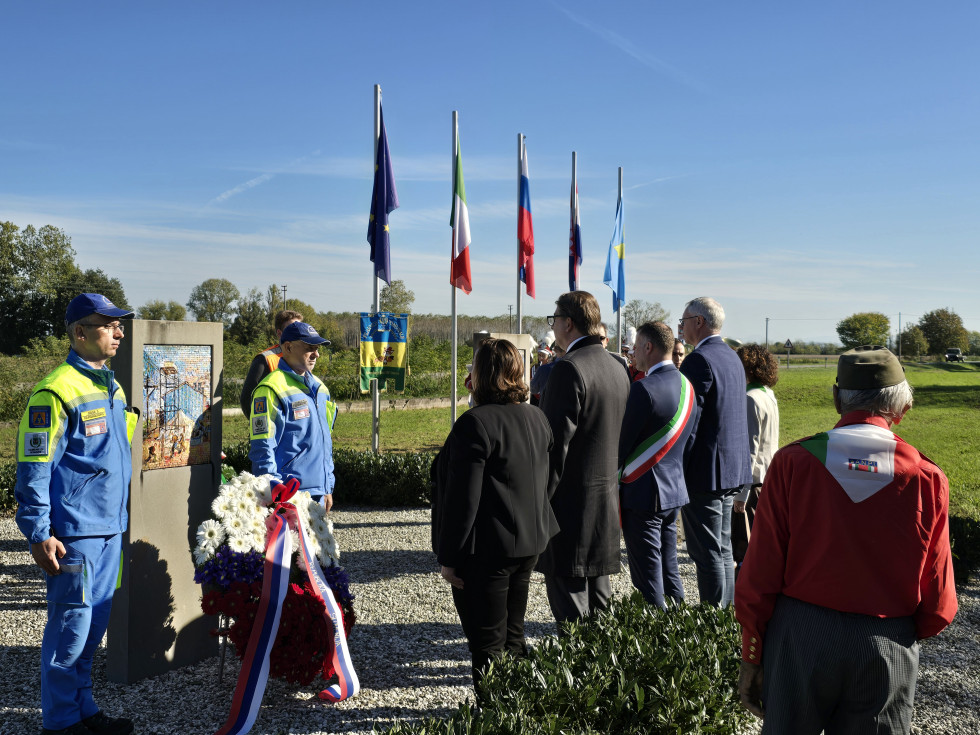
<point>574,191</point>
<point>619,311</point>
<point>453,341</point>
<point>375,392</point>
<point>520,305</point>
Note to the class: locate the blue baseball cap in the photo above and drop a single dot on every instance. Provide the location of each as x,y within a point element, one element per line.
<point>86,304</point>
<point>304,333</point>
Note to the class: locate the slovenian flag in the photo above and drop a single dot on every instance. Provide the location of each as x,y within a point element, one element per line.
<point>525,229</point>
<point>615,260</point>
<point>574,243</point>
<point>459,271</point>
<point>384,201</point>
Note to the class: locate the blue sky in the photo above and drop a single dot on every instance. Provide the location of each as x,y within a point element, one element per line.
<point>798,161</point>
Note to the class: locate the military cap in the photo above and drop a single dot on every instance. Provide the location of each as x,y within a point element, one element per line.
<point>869,367</point>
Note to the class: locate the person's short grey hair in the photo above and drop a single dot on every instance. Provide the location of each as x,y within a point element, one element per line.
<point>708,309</point>
<point>71,332</point>
<point>889,403</point>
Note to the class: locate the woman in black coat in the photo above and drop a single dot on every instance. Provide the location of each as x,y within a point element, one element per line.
<point>491,506</point>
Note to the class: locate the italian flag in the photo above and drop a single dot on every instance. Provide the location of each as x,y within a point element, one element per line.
<point>459,271</point>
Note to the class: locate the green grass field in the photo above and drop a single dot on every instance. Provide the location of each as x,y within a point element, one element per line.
<point>944,423</point>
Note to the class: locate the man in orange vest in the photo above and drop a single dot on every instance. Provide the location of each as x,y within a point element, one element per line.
<point>266,361</point>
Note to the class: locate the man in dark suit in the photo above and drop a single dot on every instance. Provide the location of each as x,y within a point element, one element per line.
<point>658,431</point>
<point>718,464</point>
<point>584,403</point>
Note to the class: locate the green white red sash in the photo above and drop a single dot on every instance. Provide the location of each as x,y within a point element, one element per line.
<point>652,449</point>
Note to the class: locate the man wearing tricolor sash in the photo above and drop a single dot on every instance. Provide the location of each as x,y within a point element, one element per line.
<point>849,566</point>
<point>658,431</point>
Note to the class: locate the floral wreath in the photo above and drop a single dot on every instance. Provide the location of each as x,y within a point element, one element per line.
<point>229,563</point>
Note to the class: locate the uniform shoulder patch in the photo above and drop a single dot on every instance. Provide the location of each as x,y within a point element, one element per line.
<point>260,424</point>
<point>259,406</point>
<point>39,417</point>
<point>36,444</point>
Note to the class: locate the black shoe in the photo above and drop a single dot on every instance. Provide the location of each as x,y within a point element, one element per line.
<point>77,729</point>
<point>100,722</point>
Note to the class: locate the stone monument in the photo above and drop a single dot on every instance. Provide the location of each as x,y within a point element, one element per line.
<point>171,372</point>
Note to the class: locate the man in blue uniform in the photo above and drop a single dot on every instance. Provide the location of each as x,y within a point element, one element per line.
<point>292,417</point>
<point>73,471</point>
<point>657,433</point>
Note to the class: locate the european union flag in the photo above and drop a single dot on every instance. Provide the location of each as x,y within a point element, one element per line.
<point>384,201</point>
<point>616,260</point>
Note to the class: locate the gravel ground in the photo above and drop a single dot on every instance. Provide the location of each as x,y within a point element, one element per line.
<point>407,648</point>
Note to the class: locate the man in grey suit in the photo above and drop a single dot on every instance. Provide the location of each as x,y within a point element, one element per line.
<point>584,402</point>
<point>718,465</point>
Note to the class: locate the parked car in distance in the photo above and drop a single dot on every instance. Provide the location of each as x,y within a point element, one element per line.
<point>954,354</point>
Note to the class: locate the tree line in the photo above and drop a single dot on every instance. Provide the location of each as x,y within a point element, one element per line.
<point>934,333</point>
<point>39,276</point>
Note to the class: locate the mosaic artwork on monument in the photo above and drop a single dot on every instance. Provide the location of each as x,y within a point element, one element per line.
<point>177,396</point>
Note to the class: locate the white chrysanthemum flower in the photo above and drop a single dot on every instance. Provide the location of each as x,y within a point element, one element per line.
<point>244,504</point>
<point>330,547</point>
<point>258,540</point>
<point>256,523</point>
<point>295,539</point>
<point>210,533</point>
<point>235,525</point>
<point>222,506</point>
<point>240,544</point>
<point>320,528</point>
<point>262,487</point>
<point>246,477</point>
<point>202,554</point>
<point>317,511</point>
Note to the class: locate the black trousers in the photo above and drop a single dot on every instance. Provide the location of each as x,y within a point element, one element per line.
<point>491,607</point>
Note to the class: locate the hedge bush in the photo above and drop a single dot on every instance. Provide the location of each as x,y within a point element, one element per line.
<point>365,478</point>
<point>964,536</point>
<point>632,669</point>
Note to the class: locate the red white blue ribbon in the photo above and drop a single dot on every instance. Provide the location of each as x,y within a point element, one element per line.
<point>254,675</point>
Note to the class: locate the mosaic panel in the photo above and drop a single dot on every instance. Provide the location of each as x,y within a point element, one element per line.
<point>177,397</point>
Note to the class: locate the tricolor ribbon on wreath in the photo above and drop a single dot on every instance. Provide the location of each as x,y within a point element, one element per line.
<point>254,675</point>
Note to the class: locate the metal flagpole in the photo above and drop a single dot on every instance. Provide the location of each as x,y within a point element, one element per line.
<point>375,392</point>
<point>619,297</point>
<point>574,191</point>
<point>520,158</point>
<point>453,341</point>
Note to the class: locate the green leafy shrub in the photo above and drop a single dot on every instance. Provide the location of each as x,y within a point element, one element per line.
<point>633,669</point>
<point>365,478</point>
<point>8,477</point>
<point>387,480</point>
<point>964,537</point>
<point>13,400</point>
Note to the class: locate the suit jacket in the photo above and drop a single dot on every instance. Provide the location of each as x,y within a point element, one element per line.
<point>492,494</point>
<point>652,403</point>
<point>584,403</point>
<point>719,459</point>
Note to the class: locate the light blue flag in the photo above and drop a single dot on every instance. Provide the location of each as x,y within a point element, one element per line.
<point>617,255</point>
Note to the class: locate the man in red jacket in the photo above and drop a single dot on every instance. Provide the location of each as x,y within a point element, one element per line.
<point>848,568</point>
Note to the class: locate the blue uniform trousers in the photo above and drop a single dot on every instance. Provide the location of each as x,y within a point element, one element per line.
<point>651,547</point>
<point>79,600</point>
<point>708,531</point>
